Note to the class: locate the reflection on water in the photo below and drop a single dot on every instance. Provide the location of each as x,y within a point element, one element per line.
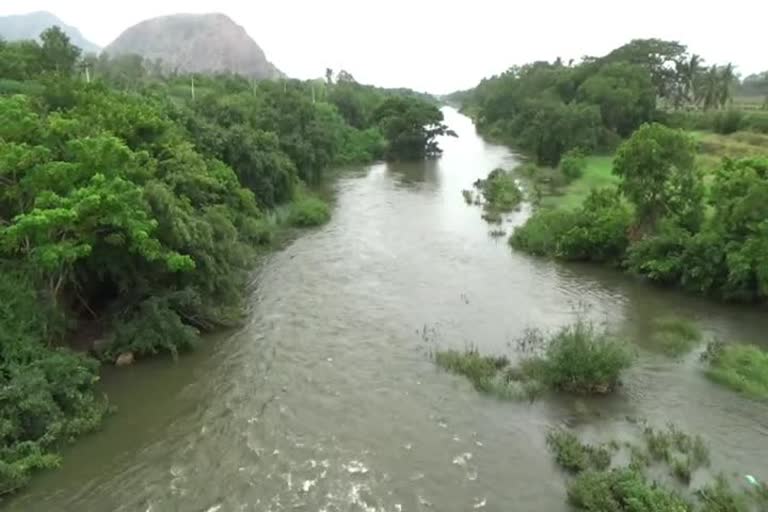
<point>326,398</point>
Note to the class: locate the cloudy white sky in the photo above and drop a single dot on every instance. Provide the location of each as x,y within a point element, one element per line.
<point>444,45</point>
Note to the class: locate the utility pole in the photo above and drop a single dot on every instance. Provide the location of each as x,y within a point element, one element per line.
<point>313,93</point>
<point>193,87</point>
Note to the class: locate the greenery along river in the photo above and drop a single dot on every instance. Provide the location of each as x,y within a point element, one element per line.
<point>327,399</point>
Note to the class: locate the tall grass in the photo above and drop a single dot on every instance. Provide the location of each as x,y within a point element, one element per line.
<point>743,368</point>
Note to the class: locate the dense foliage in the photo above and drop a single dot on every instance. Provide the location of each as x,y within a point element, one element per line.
<point>664,223</point>
<point>595,232</point>
<point>548,108</point>
<point>131,204</point>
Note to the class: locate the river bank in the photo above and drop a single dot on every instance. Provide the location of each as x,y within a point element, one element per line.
<point>326,397</point>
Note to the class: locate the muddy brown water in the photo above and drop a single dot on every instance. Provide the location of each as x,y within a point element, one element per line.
<point>326,400</point>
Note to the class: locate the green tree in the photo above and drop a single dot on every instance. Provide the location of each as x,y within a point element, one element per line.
<point>658,176</point>
<point>411,127</point>
<point>59,54</point>
<point>625,94</point>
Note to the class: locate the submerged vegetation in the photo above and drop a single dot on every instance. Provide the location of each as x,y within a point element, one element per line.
<point>132,204</point>
<point>498,193</point>
<point>743,368</point>
<point>577,359</point>
<point>675,336</point>
<point>601,483</point>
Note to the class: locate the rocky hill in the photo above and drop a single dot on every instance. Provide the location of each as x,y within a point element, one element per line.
<point>30,26</point>
<point>200,43</point>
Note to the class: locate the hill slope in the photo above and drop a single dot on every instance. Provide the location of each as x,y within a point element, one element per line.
<point>29,26</point>
<point>200,43</point>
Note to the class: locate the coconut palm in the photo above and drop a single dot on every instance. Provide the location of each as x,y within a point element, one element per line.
<point>708,88</point>
<point>687,71</point>
<point>727,78</point>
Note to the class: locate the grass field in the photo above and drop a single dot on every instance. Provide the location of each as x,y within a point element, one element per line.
<point>713,148</point>
<point>596,175</point>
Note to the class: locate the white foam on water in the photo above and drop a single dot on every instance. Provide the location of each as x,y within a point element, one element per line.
<point>461,460</point>
<point>355,467</point>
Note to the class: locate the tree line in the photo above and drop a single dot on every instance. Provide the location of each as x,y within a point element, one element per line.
<point>131,205</point>
<point>548,108</point>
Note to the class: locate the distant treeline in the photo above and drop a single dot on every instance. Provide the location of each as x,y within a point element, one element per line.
<point>547,108</point>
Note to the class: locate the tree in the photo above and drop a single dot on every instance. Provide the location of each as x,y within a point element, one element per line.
<point>328,76</point>
<point>625,94</point>
<point>727,79</point>
<point>687,71</point>
<point>658,176</point>
<point>709,88</point>
<point>58,53</point>
<point>658,55</point>
<point>410,127</point>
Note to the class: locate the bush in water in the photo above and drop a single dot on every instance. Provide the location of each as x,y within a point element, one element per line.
<point>573,455</point>
<point>595,232</point>
<point>577,359</point>
<point>500,191</point>
<point>581,359</point>
<point>743,368</point>
<point>622,490</point>
<point>308,212</point>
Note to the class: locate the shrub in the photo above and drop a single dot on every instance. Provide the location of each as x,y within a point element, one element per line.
<point>572,455</point>
<point>154,326</point>
<point>500,191</point>
<point>728,122</point>
<point>595,232</point>
<point>580,359</point>
<point>576,359</point>
<point>622,490</point>
<point>309,212</point>
<point>542,232</point>
<point>480,370</point>
<point>573,164</point>
<point>743,368</point>
<point>720,497</point>
<point>684,453</point>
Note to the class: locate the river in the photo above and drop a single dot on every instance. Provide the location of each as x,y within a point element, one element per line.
<point>326,400</point>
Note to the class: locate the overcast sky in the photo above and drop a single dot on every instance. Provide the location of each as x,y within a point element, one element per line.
<point>444,45</point>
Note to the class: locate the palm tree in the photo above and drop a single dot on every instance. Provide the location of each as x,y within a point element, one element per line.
<point>727,77</point>
<point>687,71</point>
<point>708,89</point>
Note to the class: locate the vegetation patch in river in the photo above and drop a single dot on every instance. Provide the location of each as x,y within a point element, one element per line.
<point>602,482</point>
<point>743,368</point>
<point>309,212</point>
<point>499,193</point>
<point>577,359</point>
<point>573,455</point>
<point>675,336</point>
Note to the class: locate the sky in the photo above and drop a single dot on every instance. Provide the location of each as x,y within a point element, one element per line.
<point>442,46</point>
